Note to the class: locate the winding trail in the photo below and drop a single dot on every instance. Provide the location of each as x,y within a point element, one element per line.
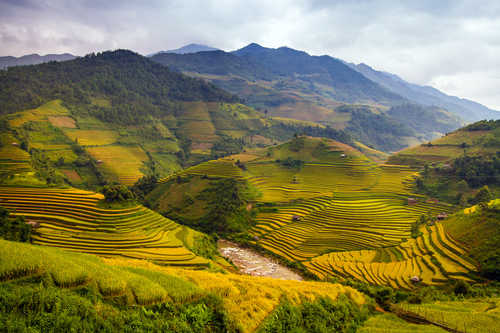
<point>250,262</point>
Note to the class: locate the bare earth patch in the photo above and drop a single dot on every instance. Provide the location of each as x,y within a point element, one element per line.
<point>66,122</point>
<point>251,263</point>
<point>72,175</point>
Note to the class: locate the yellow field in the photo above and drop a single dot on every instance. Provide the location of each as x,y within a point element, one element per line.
<point>395,266</point>
<point>92,137</point>
<point>122,163</point>
<point>71,219</point>
<point>52,108</point>
<point>250,299</point>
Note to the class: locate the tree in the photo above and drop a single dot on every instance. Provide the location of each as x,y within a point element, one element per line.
<point>14,228</point>
<point>117,193</point>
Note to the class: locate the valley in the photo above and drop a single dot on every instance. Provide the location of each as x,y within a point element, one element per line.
<point>143,199</point>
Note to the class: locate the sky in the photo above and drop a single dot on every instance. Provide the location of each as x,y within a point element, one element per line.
<point>452,45</point>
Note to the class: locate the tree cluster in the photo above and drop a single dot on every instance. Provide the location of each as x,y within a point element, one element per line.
<point>117,193</point>
<point>14,228</point>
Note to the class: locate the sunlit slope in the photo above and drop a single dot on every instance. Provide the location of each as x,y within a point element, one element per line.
<point>475,315</point>
<point>478,139</point>
<point>247,300</point>
<point>72,219</point>
<point>319,196</point>
<point>434,257</point>
<point>122,153</point>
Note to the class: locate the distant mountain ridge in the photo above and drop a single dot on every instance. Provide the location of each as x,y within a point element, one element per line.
<point>186,49</point>
<point>284,82</point>
<point>426,95</point>
<point>33,59</point>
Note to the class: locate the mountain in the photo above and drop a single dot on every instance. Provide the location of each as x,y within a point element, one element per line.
<point>33,59</point>
<point>186,49</point>
<point>466,109</point>
<point>288,83</point>
<point>117,116</point>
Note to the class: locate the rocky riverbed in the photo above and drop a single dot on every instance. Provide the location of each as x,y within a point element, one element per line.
<point>250,262</point>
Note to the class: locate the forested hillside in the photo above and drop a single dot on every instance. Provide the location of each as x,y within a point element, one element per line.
<point>288,83</point>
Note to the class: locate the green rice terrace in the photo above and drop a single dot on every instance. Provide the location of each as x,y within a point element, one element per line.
<point>326,206</point>
<point>72,219</point>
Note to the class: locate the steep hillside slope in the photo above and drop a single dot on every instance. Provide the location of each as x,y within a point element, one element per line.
<point>311,197</point>
<point>288,83</point>
<point>75,220</point>
<point>461,167</point>
<point>117,116</point>
<point>85,293</point>
<point>478,139</point>
<point>466,109</point>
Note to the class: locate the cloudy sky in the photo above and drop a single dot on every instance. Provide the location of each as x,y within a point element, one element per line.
<point>452,45</point>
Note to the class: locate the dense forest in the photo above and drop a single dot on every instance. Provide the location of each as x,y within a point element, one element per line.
<point>136,86</point>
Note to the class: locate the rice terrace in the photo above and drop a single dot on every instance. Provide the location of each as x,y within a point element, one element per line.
<point>253,188</point>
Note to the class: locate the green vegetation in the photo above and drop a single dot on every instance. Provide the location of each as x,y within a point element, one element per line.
<point>44,288</point>
<point>479,231</point>
<point>322,315</point>
<point>14,228</point>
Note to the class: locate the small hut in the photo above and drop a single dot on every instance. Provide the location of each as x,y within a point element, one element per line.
<point>33,224</point>
<point>296,218</point>
<point>442,216</point>
<point>412,201</point>
<point>98,161</point>
<point>415,279</point>
<point>343,155</point>
<point>15,144</point>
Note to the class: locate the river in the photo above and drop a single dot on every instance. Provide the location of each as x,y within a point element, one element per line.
<point>250,262</point>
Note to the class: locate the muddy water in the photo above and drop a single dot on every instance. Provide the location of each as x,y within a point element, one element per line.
<point>252,263</point>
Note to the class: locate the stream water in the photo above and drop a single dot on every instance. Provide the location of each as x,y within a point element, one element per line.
<point>250,262</point>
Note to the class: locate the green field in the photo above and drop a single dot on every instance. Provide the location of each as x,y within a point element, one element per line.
<point>470,315</point>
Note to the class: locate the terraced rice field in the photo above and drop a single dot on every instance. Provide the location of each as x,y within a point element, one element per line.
<point>92,137</point>
<point>122,163</point>
<point>470,315</point>
<point>221,168</point>
<point>433,257</point>
<point>344,223</point>
<point>341,201</point>
<point>71,219</point>
<point>12,158</point>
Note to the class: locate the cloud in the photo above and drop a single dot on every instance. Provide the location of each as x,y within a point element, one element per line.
<point>452,45</point>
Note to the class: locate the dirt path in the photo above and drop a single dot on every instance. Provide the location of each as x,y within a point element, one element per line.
<point>250,262</point>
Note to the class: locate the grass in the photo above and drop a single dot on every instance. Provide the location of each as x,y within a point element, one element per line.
<point>471,315</point>
<point>249,299</point>
<point>389,323</point>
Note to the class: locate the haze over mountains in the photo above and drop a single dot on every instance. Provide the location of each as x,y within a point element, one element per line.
<point>33,59</point>
<point>190,48</point>
<point>377,108</point>
<point>285,61</point>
